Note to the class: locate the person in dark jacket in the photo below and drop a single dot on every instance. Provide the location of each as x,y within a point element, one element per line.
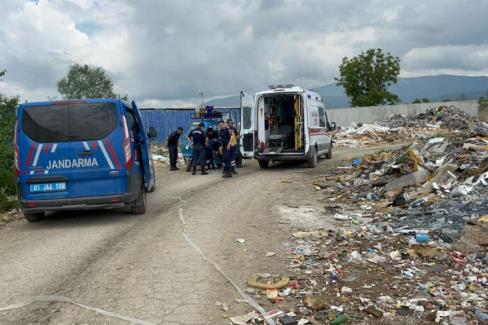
<point>225,136</point>
<point>173,143</point>
<point>199,139</point>
<point>209,151</point>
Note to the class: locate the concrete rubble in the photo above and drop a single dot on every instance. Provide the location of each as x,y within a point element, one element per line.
<point>411,238</point>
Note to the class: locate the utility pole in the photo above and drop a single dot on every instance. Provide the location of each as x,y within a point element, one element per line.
<point>201,94</point>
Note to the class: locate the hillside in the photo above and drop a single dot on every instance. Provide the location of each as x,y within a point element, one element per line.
<point>436,88</point>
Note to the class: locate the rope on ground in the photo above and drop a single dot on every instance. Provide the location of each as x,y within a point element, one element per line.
<point>246,297</point>
<point>62,299</point>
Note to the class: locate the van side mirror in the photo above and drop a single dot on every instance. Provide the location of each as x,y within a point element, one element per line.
<point>331,126</point>
<point>152,133</point>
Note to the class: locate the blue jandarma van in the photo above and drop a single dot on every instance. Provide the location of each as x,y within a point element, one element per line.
<point>82,154</point>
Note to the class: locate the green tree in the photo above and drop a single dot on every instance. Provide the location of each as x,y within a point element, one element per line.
<point>8,106</point>
<point>84,81</point>
<point>482,100</point>
<point>425,100</point>
<point>416,101</point>
<point>366,78</point>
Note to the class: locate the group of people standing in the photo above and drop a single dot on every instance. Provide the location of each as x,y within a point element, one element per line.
<point>206,145</point>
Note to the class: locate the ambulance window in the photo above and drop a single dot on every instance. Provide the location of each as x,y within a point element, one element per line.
<point>246,117</point>
<point>322,123</point>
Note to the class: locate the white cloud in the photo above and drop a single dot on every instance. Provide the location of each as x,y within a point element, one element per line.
<point>163,52</point>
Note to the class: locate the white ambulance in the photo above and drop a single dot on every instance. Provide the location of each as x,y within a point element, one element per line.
<point>283,123</point>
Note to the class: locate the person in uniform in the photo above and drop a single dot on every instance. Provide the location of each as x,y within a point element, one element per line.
<point>224,136</point>
<point>173,142</point>
<point>199,139</point>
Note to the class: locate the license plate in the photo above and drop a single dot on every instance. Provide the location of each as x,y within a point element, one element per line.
<point>48,187</point>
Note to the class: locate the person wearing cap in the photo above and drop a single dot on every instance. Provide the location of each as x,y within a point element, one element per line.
<point>173,141</point>
<point>199,139</point>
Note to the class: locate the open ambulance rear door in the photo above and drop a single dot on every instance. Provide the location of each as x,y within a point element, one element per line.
<point>248,125</point>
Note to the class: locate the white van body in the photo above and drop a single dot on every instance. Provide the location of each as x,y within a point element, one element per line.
<point>285,123</point>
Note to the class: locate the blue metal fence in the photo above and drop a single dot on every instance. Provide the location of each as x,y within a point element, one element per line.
<point>166,120</point>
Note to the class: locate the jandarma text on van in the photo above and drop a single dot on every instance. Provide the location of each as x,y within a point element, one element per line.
<point>72,163</point>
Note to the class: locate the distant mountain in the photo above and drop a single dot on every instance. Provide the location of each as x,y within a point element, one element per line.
<point>435,88</point>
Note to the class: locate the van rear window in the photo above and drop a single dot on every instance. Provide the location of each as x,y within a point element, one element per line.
<point>69,122</point>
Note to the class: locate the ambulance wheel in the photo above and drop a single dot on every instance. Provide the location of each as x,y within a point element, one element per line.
<point>312,162</point>
<point>189,163</point>
<point>139,205</point>
<point>328,155</point>
<point>33,217</point>
<point>263,164</point>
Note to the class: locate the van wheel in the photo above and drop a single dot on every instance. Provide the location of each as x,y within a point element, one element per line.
<point>33,217</point>
<point>312,162</point>
<point>139,205</point>
<point>328,155</point>
<point>189,163</point>
<point>263,164</point>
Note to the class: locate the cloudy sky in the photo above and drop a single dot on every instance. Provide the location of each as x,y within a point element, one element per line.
<point>162,52</point>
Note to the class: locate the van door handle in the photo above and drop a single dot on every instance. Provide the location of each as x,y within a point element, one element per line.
<point>85,153</point>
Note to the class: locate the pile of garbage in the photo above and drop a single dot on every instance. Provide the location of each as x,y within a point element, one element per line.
<point>421,185</point>
<point>410,241</point>
<point>399,127</point>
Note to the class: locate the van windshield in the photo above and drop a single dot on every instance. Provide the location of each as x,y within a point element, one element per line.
<point>69,122</point>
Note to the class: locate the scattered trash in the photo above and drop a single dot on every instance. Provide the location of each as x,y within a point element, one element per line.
<point>374,311</point>
<point>341,319</point>
<point>315,302</point>
<point>254,282</point>
<point>244,319</point>
<point>410,229</point>
<point>222,305</point>
<point>240,240</point>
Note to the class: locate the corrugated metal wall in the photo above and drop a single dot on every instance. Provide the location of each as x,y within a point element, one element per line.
<point>166,120</point>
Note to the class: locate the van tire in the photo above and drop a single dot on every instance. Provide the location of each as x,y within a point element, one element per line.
<point>33,217</point>
<point>139,205</point>
<point>263,164</point>
<point>313,160</point>
<point>189,163</point>
<point>328,155</point>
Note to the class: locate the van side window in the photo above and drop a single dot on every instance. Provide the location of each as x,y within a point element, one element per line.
<point>131,121</point>
<point>322,122</point>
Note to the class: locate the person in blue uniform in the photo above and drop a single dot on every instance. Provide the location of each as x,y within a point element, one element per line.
<point>209,151</point>
<point>224,137</point>
<point>199,139</point>
<point>173,141</point>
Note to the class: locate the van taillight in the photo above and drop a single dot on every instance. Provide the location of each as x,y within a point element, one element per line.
<point>262,146</point>
<point>16,151</point>
<point>127,153</point>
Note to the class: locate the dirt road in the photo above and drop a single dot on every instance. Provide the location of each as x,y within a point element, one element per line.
<point>142,268</point>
